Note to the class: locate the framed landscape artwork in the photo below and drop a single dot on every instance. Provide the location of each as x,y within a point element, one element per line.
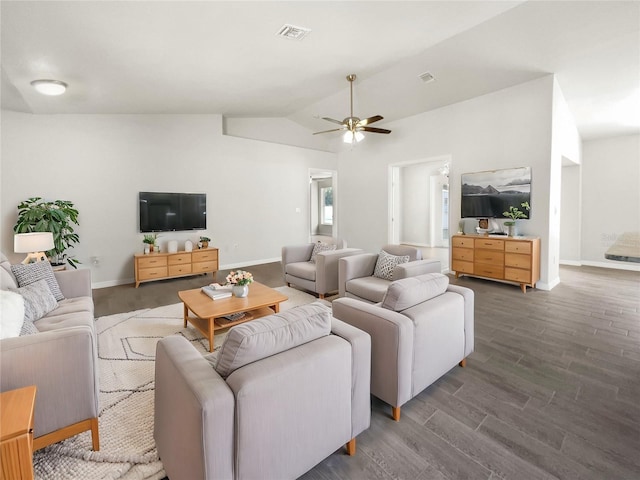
<point>489,194</point>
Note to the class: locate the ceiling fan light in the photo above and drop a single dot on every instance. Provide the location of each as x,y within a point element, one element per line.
<point>351,136</point>
<point>49,87</point>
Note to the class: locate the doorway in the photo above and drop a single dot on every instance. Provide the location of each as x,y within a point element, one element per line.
<point>419,206</point>
<point>323,209</point>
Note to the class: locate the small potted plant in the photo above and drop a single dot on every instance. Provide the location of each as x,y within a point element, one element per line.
<point>239,281</point>
<point>150,239</point>
<point>515,214</point>
<point>205,242</point>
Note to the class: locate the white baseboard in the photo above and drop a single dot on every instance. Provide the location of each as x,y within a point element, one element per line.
<point>572,263</point>
<point>613,264</point>
<point>548,286</point>
<point>249,263</point>
<point>112,283</point>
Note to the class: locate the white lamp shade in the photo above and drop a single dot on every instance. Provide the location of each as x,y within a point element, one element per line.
<point>32,242</point>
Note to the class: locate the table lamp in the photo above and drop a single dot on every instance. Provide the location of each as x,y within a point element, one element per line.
<point>35,244</point>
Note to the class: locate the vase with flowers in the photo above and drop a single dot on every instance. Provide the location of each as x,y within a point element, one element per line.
<point>515,214</point>
<point>239,281</point>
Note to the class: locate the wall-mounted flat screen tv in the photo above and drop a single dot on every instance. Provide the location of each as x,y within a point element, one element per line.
<point>168,212</point>
<point>489,194</point>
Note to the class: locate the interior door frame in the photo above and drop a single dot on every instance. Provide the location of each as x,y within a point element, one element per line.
<point>333,174</point>
<point>393,226</point>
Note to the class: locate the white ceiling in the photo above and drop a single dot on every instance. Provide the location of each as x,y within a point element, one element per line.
<point>224,57</point>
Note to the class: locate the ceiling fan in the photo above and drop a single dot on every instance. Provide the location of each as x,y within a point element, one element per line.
<point>353,126</point>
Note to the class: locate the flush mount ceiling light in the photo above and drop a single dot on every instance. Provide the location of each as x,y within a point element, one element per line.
<point>49,87</point>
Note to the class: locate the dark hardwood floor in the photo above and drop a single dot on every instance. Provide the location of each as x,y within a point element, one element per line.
<point>551,391</point>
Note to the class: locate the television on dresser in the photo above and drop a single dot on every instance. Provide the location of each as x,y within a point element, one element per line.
<point>489,194</point>
<point>169,212</point>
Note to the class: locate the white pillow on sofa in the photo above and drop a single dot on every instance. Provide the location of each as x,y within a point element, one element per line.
<point>11,314</point>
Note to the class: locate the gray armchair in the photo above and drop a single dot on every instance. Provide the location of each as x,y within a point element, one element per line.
<point>356,277</point>
<point>284,392</point>
<point>422,329</point>
<point>319,276</point>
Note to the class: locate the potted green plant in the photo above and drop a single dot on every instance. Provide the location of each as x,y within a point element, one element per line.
<point>515,214</point>
<point>150,239</point>
<point>57,217</point>
<point>205,242</point>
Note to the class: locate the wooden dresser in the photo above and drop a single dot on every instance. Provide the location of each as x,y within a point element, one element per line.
<point>158,266</point>
<point>512,259</point>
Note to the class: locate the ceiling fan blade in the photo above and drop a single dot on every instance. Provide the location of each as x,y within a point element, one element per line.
<point>368,121</point>
<point>327,131</point>
<point>332,120</point>
<point>374,129</point>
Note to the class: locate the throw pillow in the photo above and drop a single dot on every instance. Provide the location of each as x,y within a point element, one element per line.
<point>11,314</point>
<point>32,272</point>
<point>386,263</point>
<point>320,247</point>
<point>38,300</point>
<point>267,336</point>
<point>28,328</point>
<point>407,292</point>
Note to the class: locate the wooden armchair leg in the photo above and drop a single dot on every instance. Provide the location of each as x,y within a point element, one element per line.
<point>395,412</point>
<point>351,447</point>
<point>463,362</point>
<point>95,437</point>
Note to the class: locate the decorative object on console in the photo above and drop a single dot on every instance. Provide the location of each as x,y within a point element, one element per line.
<point>240,281</point>
<point>172,246</point>
<point>34,244</point>
<point>205,242</point>
<point>353,126</point>
<point>188,246</point>
<point>150,240</point>
<point>514,214</point>
<point>57,217</point>
<point>488,194</point>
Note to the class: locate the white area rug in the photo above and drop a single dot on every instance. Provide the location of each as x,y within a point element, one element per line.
<point>126,350</point>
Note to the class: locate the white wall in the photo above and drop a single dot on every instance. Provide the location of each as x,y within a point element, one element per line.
<point>101,162</point>
<point>611,196</point>
<point>508,128</point>
<point>565,149</point>
<point>570,215</point>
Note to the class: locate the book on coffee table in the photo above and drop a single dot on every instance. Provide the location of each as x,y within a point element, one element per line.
<point>215,294</point>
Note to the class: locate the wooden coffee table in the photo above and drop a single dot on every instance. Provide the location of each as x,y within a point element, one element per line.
<point>209,313</point>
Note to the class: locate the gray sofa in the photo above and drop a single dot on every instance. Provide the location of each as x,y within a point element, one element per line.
<point>422,329</point>
<point>60,360</point>
<point>283,393</point>
<point>319,276</point>
<point>356,277</point>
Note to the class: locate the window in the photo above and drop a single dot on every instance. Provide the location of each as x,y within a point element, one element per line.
<point>326,206</point>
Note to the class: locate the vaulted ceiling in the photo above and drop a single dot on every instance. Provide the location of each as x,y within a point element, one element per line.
<point>225,57</point>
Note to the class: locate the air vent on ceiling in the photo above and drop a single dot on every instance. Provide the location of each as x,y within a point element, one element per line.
<point>293,32</point>
<point>426,77</point>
